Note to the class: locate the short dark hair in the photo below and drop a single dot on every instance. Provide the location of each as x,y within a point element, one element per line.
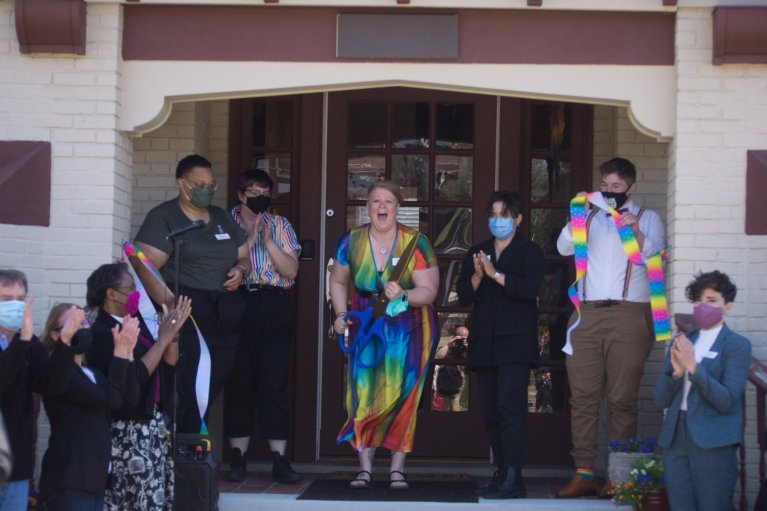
<point>621,166</point>
<point>511,202</point>
<point>187,163</point>
<point>714,280</point>
<point>106,276</point>
<point>9,277</point>
<point>257,176</point>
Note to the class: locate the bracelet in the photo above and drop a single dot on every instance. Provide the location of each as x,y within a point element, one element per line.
<point>339,314</point>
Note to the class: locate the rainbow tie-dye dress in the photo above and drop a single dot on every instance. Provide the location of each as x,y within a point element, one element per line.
<point>382,400</point>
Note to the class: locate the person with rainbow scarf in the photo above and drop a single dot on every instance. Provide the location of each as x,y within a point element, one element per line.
<point>612,332</point>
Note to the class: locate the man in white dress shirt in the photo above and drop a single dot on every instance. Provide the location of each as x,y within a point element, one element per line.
<point>615,335</point>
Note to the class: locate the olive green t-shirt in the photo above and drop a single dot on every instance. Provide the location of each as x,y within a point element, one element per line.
<point>207,254</point>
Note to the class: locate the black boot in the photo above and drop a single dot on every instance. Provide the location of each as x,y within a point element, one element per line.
<point>511,485</point>
<point>282,472</point>
<point>237,466</point>
<point>490,488</point>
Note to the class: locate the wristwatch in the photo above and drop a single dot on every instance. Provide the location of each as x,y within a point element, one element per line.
<point>404,296</point>
<point>497,275</point>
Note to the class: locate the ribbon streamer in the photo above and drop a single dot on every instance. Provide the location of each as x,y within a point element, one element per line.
<point>202,379</point>
<point>654,263</point>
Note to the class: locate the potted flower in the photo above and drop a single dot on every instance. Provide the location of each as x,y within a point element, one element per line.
<point>624,453</point>
<point>645,488</point>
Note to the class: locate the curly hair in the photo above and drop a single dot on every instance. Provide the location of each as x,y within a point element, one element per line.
<point>715,280</point>
<point>106,276</point>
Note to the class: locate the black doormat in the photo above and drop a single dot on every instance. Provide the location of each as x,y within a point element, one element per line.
<point>423,488</point>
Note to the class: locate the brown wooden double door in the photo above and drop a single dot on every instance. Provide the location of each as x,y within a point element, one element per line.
<point>448,151</point>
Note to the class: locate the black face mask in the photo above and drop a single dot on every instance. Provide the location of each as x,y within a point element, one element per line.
<point>615,199</point>
<point>81,341</point>
<point>259,204</point>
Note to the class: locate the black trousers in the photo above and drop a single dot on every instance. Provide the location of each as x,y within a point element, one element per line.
<point>260,376</point>
<point>503,399</point>
<point>218,315</point>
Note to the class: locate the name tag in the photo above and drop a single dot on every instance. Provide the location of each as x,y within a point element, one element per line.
<point>710,354</point>
<point>223,236</point>
<point>394,261</point>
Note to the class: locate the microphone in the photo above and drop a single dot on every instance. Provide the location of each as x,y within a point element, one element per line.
<point>181,230</point>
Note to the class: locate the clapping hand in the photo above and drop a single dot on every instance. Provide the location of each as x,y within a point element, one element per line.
<point>683,355</point>
<point>26,321</point>
<point>487,265</point>
<point>125,337</point>
<point>173,320</point>
<point>73,319</point>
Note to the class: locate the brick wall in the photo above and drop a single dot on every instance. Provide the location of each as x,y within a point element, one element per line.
<point>721,113</point>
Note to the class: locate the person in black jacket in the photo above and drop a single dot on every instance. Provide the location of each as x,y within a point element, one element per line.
<point>142,461</point>
<point>501,277</point>
<point>23,370</point>
<point>76,464</point>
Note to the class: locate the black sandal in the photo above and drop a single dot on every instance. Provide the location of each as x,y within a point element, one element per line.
<point>360,483</point>
<point>398,484</point>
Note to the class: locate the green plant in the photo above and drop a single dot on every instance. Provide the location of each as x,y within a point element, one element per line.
<point>646,476</point>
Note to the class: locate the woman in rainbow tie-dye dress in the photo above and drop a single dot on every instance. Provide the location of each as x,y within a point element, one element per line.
<point>381,400</point>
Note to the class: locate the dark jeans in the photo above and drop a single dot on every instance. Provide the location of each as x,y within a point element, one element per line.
<point>260,376</point>
<point>218,315</point>
<point>73,500</point>
<point>503,399</point>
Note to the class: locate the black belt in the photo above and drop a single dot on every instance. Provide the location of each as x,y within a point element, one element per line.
<point>263,287</point>
<point>604,303</point>
<point>367,294</point>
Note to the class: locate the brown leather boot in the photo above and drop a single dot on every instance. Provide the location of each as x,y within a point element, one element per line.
<point>578,486</point>
<point>607,489</point>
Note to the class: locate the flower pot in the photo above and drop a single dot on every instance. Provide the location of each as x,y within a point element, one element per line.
<point>619,465</point>
<point>654,501</point>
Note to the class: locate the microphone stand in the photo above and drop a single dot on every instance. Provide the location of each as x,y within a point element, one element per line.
<point>178,242</point>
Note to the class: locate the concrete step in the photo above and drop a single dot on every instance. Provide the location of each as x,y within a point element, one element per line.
<point>273,502</point>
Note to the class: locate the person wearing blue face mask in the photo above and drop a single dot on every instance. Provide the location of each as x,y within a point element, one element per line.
<point>501,278</point>
<point>23,370</point>
<point>702,386</point>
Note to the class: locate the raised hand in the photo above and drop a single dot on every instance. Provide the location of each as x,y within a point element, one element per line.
<point>73,319</point>
<point>125,337</point>
<point>26,321</point>
<point>173,320</point>
<point>487,265</point>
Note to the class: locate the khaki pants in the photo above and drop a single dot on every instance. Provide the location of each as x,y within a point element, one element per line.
<point>610,347</point>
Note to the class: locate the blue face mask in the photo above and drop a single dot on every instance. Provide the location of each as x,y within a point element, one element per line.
<point>501,227</point>
<point>11,313</point>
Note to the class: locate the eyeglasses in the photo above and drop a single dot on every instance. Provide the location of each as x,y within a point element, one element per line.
<point>213,187</point>
<point>257,193</point>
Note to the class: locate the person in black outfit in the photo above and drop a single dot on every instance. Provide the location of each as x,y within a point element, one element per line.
<point>214,263</point>
<point>260,376</point>
<point>142,461</point>
<point>76,464</point>
<point>23,370</point>
<point>501,277</point>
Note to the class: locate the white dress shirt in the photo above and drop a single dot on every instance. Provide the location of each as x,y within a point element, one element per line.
<point>702,346</point>
<point>607,260</point>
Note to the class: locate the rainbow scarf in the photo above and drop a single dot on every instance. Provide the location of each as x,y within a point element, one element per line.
<point>654,263</point>
<point>202,381</point>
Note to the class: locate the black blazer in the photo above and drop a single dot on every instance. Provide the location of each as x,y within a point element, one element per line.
<point>25,368</point>
<point>80,444</point>
<point>504,325</point>
<point>135,407</point>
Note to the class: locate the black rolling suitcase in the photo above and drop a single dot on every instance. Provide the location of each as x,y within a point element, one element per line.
<point>196,473</point>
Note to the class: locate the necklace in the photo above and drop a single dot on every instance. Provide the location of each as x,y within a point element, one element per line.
<point>383,250</point>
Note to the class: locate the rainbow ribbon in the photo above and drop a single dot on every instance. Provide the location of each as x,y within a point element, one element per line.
<point>202,379</point>
<point>654,263</point>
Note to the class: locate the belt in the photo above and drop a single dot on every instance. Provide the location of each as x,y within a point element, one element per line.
<point>252,286</point>
<point>604,303</point>
<point>367,294</point>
